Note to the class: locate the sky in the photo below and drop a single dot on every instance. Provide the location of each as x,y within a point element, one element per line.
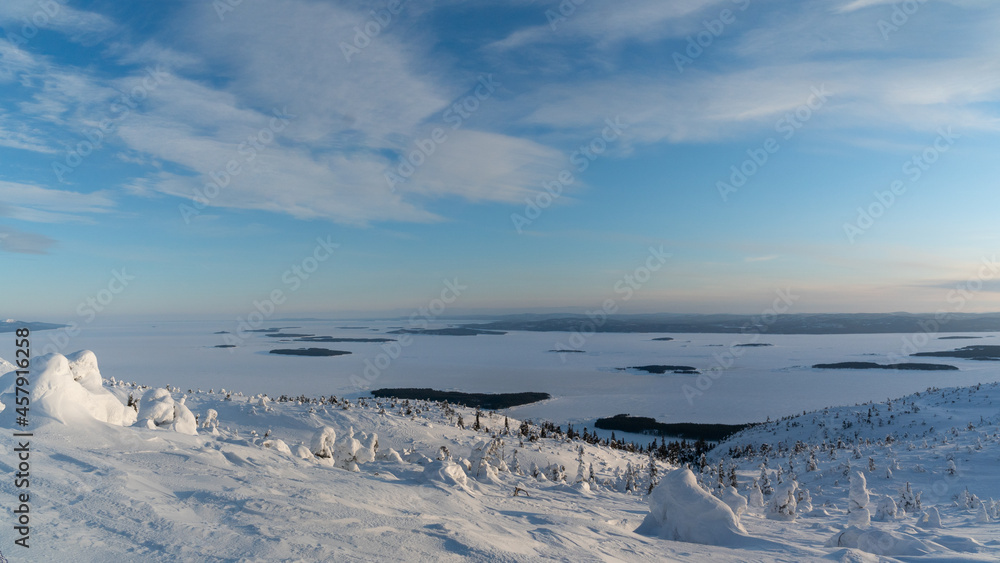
<point>343,158</point>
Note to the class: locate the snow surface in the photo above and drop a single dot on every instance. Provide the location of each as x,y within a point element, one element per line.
<point>104,491</point>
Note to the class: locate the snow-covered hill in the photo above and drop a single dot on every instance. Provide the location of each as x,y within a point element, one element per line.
<point>199,475</point>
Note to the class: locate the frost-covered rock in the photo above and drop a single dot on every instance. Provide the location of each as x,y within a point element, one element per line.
<point>680,510</point>
<point>69,396</point>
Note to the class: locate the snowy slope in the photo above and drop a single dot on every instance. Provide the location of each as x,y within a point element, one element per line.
<point>107,490</point>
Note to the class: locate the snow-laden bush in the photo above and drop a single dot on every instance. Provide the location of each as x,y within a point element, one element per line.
<point>447,472</point>
<point>347,450</point>
<point>277,445</point>
<point>157,408</point>
<point>857,502</point>
<point>680,510</point>
<point>487,460</point>
<point>803,501</point>
<point>369,448</point>
<point>983,513</point>
<point>931,518</point>
<point>322,443</point>
<point>885,509</point>
<point>756,497</point>
<point>391,455</point>
<point>184,420</point>
<point>734,500</point>
<point>211,421</point>
<point>909,501</point>
<point>157,405</point>
<point>783,503</point>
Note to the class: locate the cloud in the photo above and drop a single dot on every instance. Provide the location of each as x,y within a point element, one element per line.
<point>607,24</point>
<point>767,258</point>
<point>20,242</point>
<point>54,15</point>
<point>42,205</point>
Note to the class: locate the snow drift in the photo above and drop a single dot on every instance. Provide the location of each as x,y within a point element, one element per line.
<point>680,510</point>
<point>69,390</point>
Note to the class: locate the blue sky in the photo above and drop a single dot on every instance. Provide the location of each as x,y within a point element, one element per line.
<point>417,145</point>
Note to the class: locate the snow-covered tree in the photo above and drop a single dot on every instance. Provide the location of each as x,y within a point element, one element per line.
<point>983,514</point>
<point>885,510</point>
<point>804,501</point>
<point>909,501</point>
<point>812,464</point>
<point>952,469</point>
<point>857,502</point>
<point>756,497</point>
<point>783,503</point>
<point>515,464</point>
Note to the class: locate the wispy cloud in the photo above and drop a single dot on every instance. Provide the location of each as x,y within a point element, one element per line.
<point>42,205</point>
<point>20,242</point>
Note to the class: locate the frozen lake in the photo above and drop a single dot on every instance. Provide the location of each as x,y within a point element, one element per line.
<point>763,382</point>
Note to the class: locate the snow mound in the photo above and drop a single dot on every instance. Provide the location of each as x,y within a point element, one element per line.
<point>680,510</point>
<point>83,364</point>
<point>878,542</point>
<point>71,391</point>
<point>447,472</point>
<point>6,366</point>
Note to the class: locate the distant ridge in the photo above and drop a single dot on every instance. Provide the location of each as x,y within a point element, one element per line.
<point>10,325</point>
<point>803,323</point>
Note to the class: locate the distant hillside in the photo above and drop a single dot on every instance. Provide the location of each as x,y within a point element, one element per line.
<point>805,323</point>
<point>10,325</point>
